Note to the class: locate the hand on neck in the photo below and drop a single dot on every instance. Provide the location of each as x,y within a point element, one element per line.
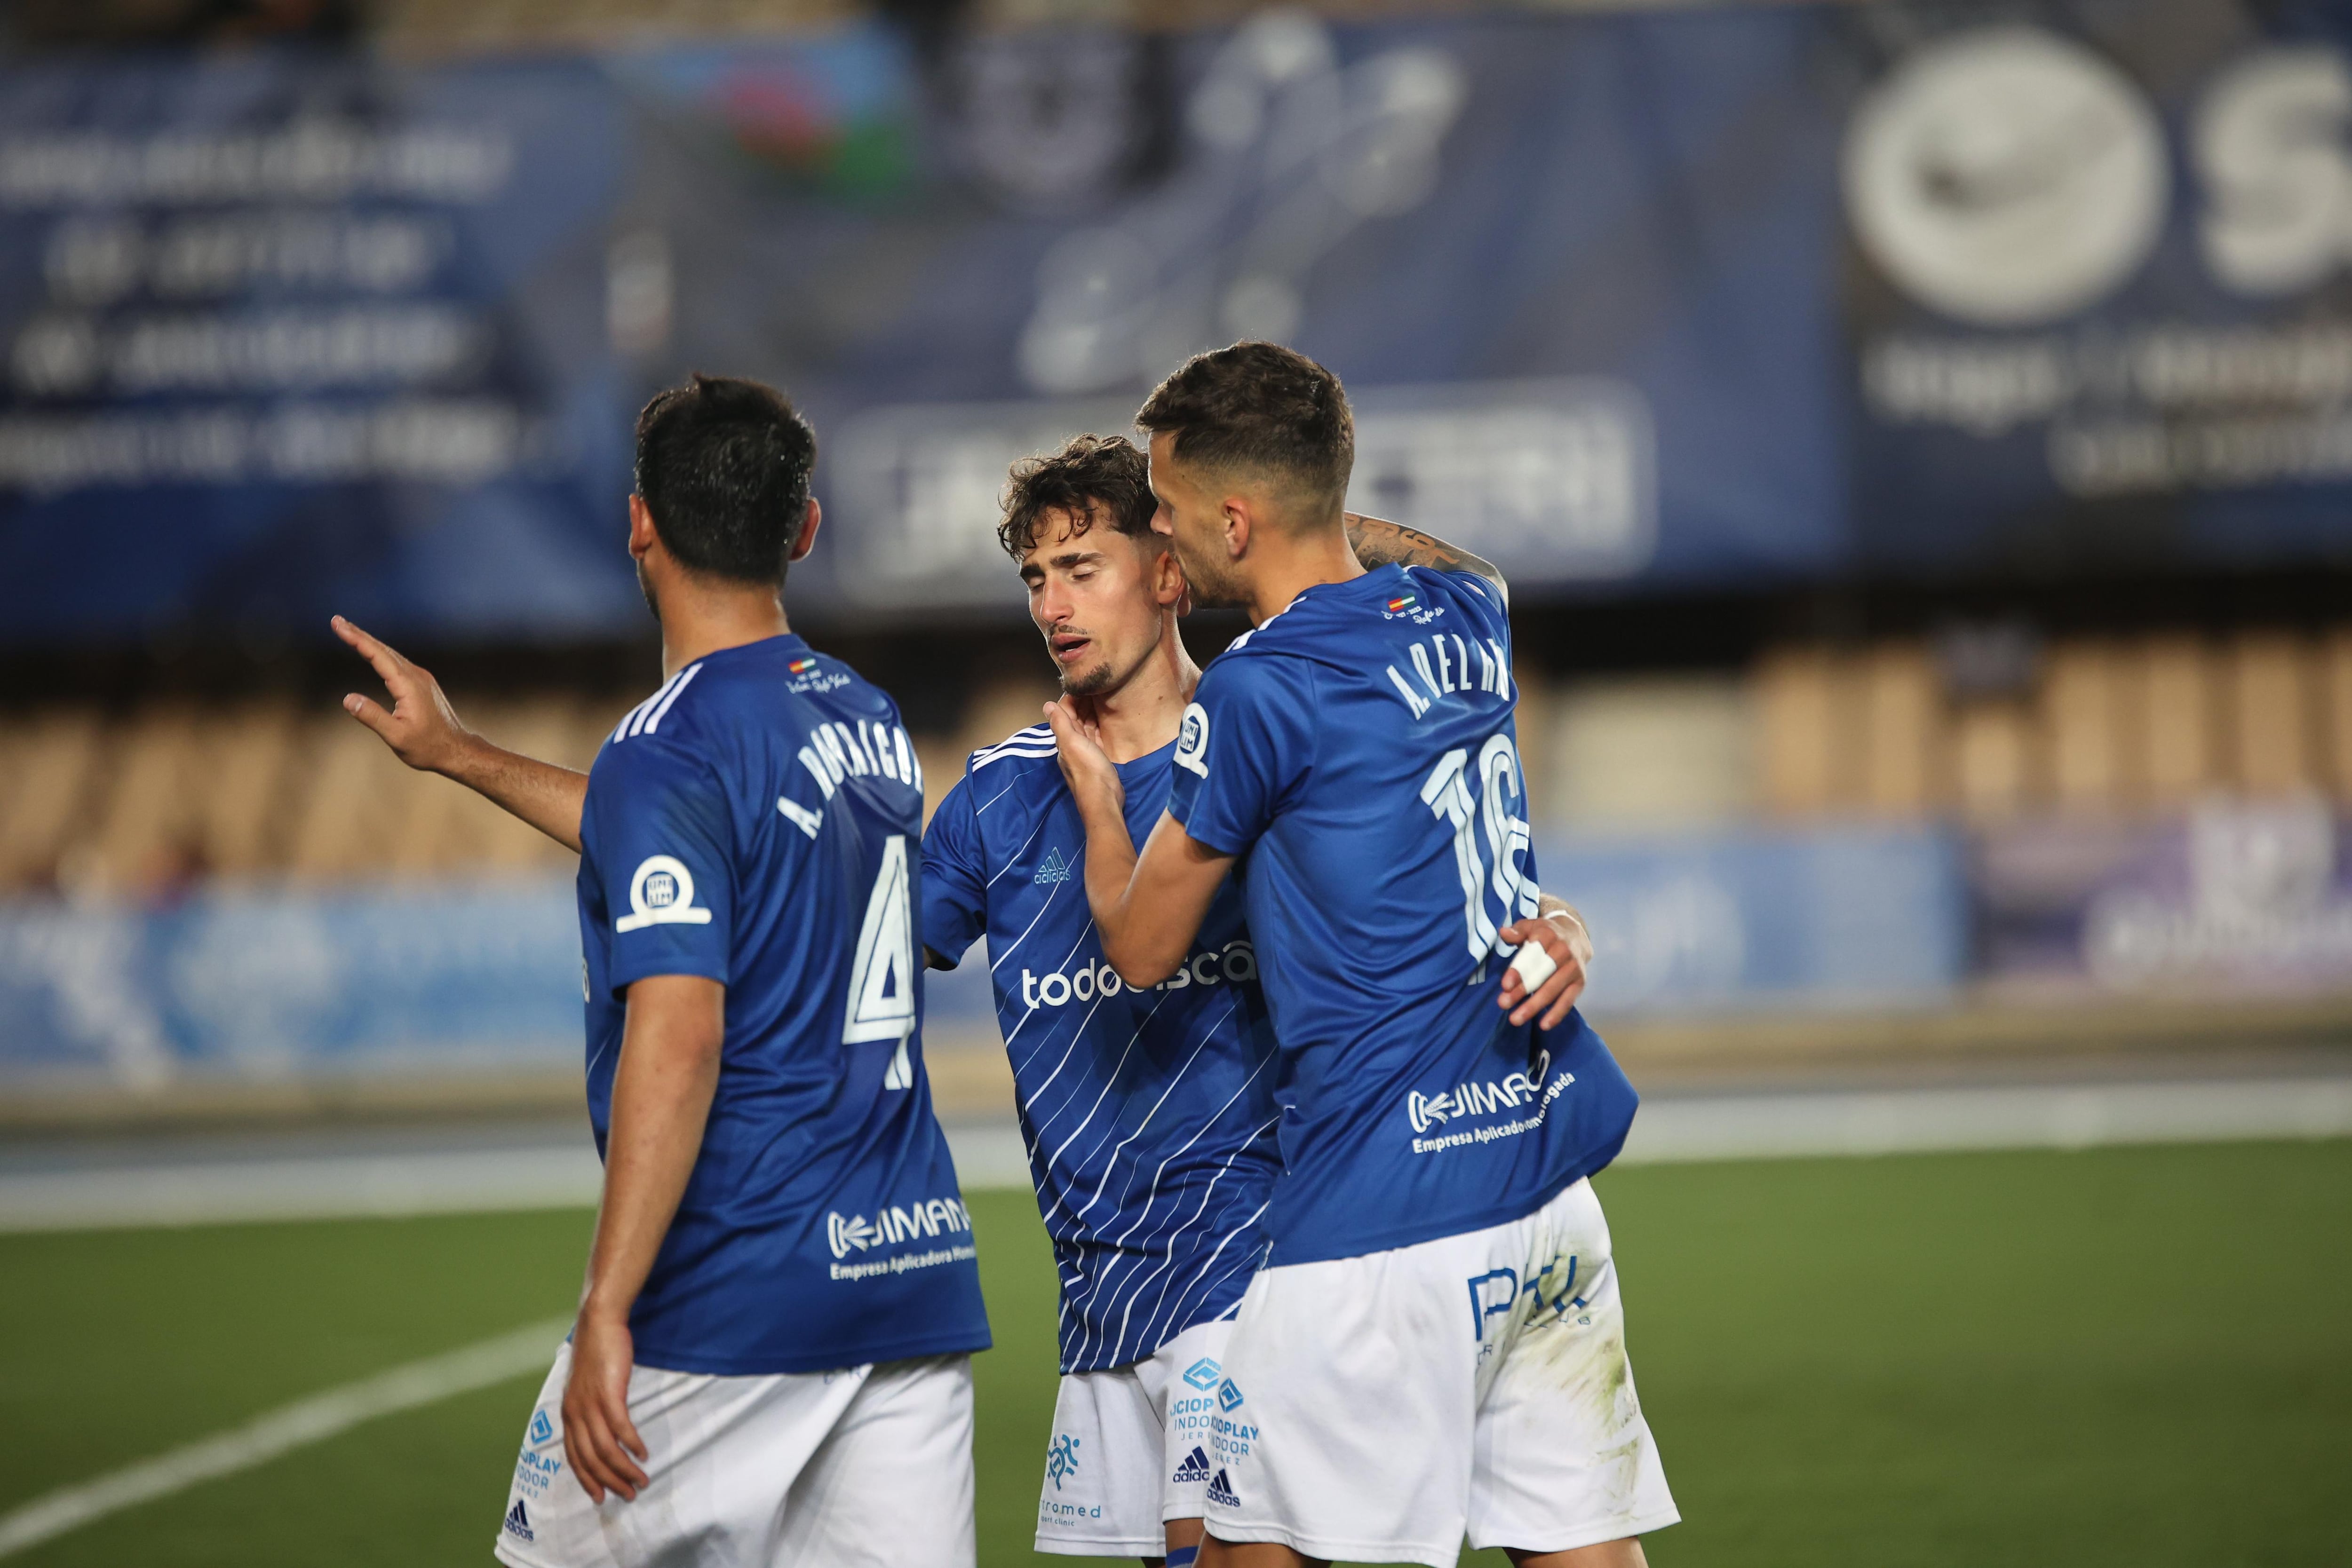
<point>1143,713</point>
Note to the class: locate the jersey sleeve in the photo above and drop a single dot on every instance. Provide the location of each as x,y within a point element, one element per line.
<point>659,822</point>
<point>955,876</point>
<point>1245,745</point>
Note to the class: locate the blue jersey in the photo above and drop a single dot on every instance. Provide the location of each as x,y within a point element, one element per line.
<point>758,822</point>
<point>1149,1115</point>
<point>1357,752</point>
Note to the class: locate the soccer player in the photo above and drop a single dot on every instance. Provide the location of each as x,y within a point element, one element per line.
<point>771,1364</point>
<point>1151,1115</point>
<point>1436,1344</point>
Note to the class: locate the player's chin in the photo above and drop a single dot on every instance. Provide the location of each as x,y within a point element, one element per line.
<point>1091,681</point>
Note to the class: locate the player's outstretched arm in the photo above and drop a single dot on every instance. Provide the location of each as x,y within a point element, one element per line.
<point>1556,936</point>
<point>1379,542</point>
<point>1147,907</point>
<point>662,1089</point>
<point>424,731</point>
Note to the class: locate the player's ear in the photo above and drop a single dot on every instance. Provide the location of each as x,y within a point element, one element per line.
<point>642,538</point>
<point>1238,523</point>
<point>807,540</point>
<point>1167,574</point>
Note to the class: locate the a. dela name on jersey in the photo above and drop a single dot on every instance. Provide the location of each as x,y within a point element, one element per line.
<point>1233,963</point>
<point>1442,662</point>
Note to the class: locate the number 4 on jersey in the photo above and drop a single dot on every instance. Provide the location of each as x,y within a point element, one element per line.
<point>882,984</point>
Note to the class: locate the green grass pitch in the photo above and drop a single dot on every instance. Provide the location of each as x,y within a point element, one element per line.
<point>2138,1357</point>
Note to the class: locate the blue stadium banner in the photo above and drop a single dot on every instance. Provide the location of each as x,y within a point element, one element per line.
<point>1728,295</point>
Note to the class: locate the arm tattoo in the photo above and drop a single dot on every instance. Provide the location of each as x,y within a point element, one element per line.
<point>1379,542</point>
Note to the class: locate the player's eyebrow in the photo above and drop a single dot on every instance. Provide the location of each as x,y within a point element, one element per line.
<point>1069,558</point>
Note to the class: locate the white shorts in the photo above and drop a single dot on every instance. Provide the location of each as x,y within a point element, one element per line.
<point>1130,1449</point>
<point>869,1466</point>
<point>1376,1408</point>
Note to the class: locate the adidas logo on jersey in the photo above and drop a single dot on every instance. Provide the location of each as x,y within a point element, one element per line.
<point>1221,1490</point>
<point>519,1522</point>
<point>1053,869</point>
<point>1195,1467</point>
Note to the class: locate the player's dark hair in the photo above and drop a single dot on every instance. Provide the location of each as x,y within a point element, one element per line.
<point>1105,477</point>
<point>724,465</point>
<point>1259,406</point>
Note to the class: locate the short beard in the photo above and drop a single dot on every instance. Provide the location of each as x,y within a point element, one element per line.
<point>1091,682</point>
<point>645,586</point>
<point>1213,584</point>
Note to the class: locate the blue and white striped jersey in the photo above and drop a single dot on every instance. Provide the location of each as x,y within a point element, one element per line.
<point>1149,1115</point>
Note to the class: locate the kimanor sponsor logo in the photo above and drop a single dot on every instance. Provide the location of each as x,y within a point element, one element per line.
<point>856,1233</point>
<point>1473,1098</point>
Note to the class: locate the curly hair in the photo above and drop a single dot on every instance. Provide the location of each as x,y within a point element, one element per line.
<point>1105,477</point>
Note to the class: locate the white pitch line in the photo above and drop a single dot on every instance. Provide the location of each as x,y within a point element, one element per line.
<point>2042,1116</point>
<point>291,1426</point>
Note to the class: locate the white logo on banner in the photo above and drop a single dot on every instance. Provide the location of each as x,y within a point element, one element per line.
<point>2006,176</point>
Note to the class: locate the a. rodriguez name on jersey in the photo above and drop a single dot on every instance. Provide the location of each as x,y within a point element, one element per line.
<point>1233,963</point>
<point>939,1217</point>
<point>1489,1098</point>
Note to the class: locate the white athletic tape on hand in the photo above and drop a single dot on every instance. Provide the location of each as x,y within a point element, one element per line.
<point>1533,967</point>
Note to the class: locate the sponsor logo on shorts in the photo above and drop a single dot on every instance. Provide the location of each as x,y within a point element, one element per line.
<point>1195,1467</point>
<point>519,1522</point>
<point>1062,1459</point>
<point>1229,1395</point>
<point>534,1471</point>
<point>1235,962</point>
<point>1203,1374</point>
<point>1221,1490</point>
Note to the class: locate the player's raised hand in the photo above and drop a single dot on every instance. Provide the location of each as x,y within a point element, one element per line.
<point>599,1439</point>
<point>420,727</point>
<point>1555,938</point>
<point>1092,776</point>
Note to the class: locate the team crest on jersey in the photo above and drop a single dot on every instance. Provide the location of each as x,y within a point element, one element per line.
<point>661,893</point>
<point>1192,740</point>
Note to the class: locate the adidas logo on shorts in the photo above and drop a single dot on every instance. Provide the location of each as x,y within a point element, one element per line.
<point>519,1522</point>
<point>1220,1490</point>
<point>1195,1467</point>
